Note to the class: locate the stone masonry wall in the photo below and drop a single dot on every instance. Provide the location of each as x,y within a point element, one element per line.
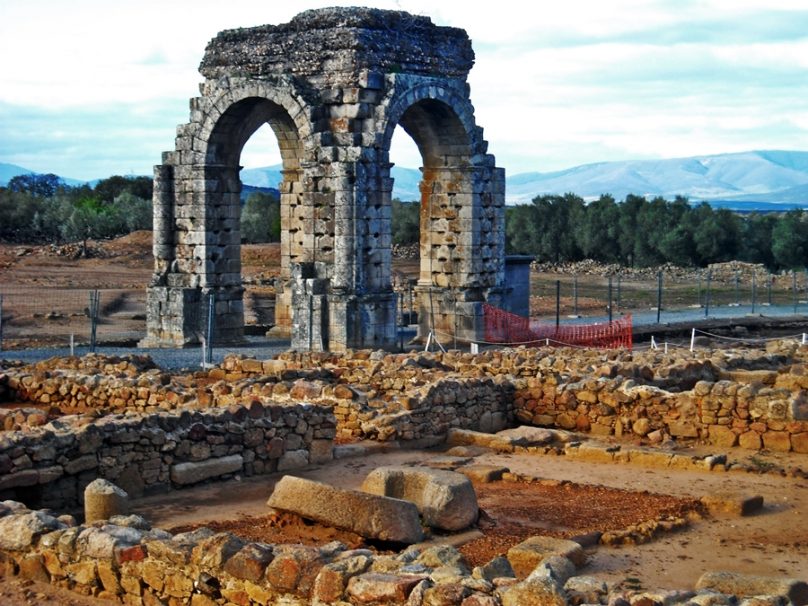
<point>751,399</point>
<point>52,465</point>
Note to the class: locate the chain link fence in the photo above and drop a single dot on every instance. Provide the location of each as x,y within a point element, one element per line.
<point>36,323</point>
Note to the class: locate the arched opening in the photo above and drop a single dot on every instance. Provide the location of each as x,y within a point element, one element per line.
<point>250,129</point>
<point>445,188</point>
<point>460,259</point>
<point>260,229</point>
<point>405,222</point>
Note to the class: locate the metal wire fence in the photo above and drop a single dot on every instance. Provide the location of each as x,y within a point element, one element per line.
<point>45,321</point>
<point>666,298</point>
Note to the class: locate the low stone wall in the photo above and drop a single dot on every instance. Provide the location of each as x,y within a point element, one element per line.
<point>725,412</point>
<point>754,399</point>
<point>52,465</point>
<point>127,561</point>
<point>396,400</point>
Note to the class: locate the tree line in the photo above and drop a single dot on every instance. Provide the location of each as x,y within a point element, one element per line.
<point>37,208</point>
<point>635,232</point>
<point>41,208</point>
<point>641,232</point>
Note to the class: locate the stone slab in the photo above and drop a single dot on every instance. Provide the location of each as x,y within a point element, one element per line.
<point>744,585</point>
<point>193,472</point>
<point>734,504</point>
<point>483,473</point>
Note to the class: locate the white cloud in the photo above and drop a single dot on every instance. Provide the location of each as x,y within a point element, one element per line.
<point>555,84</point>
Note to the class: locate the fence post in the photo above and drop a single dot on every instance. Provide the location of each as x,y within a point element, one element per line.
<point>754,290</point>
<point>619,292</point>
<point>1,322</point>
<point>737,288</point>
<point>610,299</point>
<point>692,339</point>
<point>659,297</point>
<point>575,295</point>
<point>769,287</point>
<point>558,304</point>
<point>208,342</point>
<point>707,294</point>
<point>400,302</point>
<point>794,288</point>
<point>95,299</point>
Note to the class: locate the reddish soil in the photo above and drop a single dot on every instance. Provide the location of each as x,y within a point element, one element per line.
<point>556,508</point>
<point>280,528</point>
<point>564,511</point>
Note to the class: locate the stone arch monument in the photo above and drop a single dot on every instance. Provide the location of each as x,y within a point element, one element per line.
<point>332,84</point>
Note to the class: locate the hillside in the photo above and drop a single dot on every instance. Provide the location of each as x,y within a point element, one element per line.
<point>755,180</point>
<point>757,176</point>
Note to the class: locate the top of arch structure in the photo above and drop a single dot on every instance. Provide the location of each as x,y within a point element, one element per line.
<point>339,47</point>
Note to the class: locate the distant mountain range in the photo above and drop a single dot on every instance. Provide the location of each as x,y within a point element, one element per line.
<point>756,180</point>
<point>779,177</point>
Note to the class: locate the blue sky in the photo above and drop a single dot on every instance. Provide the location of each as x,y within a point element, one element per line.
<point>90,88</point>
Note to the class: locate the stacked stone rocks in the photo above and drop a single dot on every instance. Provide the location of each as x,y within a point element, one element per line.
<point>152,453</point>
<point>271,414</point>
<point>125,560</point>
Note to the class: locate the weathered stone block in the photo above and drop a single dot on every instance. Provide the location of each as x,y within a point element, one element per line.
<point>369,515</point>
<point>799,442</point>
<point>193,472</point>
<point>742,585</point>
<point>102,500</point>
<point>528,554</point>
<point>722,436</point>
<point>381,588</point>
<point>734,504</point>
<point>445,499</point>
<point>777,440</point>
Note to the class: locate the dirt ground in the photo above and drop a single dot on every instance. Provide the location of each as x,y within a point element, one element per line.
<point>773,542</point>
<point>598,497</point>
<point>584,497</point>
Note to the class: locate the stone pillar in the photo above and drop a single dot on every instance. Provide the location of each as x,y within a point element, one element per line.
<point>333,84</point>
<point>102,500</point>
<point>310,309</point>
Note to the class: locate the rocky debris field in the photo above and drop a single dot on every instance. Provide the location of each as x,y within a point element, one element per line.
<point>70,420</point>
<point>719,272</point>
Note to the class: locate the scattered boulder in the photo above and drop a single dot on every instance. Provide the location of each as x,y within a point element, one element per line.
<point>744,585</point>
<point>528,554</point>
<point>445,499</point>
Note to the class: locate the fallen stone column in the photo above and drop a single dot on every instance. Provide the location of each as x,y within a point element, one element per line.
<point>368,515</point>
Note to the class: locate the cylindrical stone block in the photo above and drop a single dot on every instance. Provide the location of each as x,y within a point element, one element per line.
<point>102,500</point>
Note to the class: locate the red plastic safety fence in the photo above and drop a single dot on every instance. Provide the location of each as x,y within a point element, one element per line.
<point>507,328</point>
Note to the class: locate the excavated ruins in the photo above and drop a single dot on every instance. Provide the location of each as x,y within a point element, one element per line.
<point>501,478</point>
<point>149,432</point>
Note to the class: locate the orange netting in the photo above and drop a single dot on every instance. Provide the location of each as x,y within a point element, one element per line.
<point>504,327</point>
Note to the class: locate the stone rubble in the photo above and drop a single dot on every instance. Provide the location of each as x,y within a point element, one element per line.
<point>125,560</point>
